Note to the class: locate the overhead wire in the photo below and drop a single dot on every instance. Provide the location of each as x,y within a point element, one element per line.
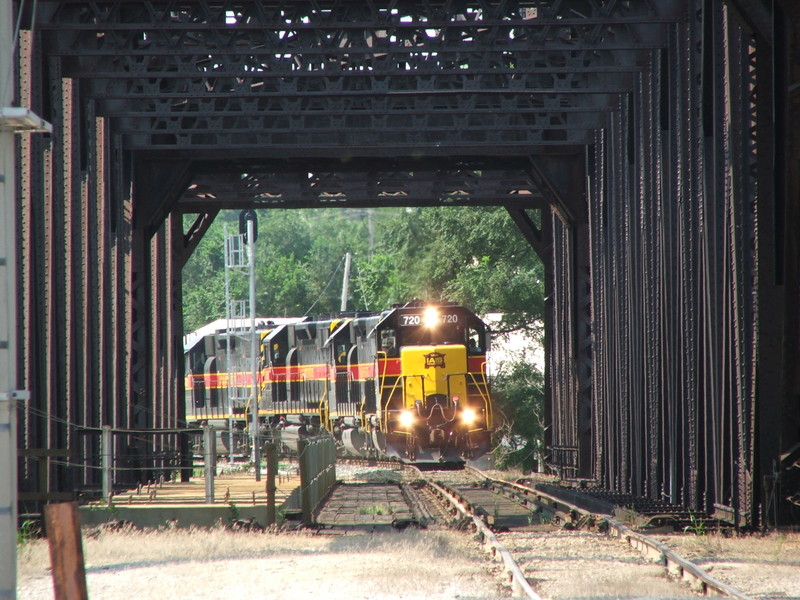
<point>88,428</point>
<point>325,289</point>
<point>362,288</point>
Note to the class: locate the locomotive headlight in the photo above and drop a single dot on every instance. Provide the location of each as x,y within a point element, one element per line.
<point>431,317</point>
<point>406,418</point>
<point>468,416</point>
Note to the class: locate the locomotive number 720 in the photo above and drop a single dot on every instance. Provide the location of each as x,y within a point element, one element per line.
<point>416,320</point>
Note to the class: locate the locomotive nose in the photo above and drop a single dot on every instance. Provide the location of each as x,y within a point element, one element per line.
<point>437,437</point>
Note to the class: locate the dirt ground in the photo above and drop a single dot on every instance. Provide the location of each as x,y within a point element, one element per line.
<point>200,565</point>
<point>411,565</point>
<point>760,566</point>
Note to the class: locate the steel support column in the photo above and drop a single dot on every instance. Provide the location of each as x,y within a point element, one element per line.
<point>9,325</point>
<point>770,222</point>
<point>562,181</point>
<point>790,422</point>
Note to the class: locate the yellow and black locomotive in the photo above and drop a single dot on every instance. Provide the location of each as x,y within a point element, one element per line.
<point>409,382</point>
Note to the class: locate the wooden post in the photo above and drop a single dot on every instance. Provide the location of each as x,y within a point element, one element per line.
<point>272,471</point>
<point>210,461</point>
<point>66,552</point>
<point>106,463</point>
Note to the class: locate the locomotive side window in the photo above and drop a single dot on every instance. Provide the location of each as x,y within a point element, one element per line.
<point>341,353</point>
<point>389,342</point>
<point>474,341</point>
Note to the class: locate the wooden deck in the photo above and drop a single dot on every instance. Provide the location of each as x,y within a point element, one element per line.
<point>238,487</point>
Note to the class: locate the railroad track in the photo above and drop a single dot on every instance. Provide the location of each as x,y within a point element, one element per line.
<point>495,507</point>
<point>379,463</point>
<point>533,533</point>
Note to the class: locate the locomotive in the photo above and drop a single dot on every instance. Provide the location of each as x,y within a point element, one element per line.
<point>409,382</point>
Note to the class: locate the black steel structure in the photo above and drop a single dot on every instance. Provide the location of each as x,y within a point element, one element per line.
<point>656,140</point>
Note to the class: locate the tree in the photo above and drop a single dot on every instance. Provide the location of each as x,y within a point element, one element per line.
<point>518,393</point>
<point>298,263</point>
<point>474,256</point>
<point>204,280</point>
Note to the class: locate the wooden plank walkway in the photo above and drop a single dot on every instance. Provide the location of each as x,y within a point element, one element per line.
<point>354,505</point>
<point>237,487</point>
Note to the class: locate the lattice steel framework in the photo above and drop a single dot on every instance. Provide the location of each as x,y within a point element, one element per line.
<point>644,133</point>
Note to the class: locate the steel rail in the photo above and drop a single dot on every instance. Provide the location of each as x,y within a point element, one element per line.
<point>674,564</point>
<point>519,584</point>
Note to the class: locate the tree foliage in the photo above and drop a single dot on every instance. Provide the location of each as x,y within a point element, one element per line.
<point>474,256</point>
<point>297,252</point>
<point>518,394</point>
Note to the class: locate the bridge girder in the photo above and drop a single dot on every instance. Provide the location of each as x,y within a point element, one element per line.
<point>396,78</point>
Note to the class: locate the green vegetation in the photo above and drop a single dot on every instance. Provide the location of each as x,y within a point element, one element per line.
<point>473,255</point>
<point>519,397</point>
<point>378,509</point>
<point>234,511</point>
<point>696,526</point>
<point>105,506</point>
<point>297,254</point>
<point>28,531</point>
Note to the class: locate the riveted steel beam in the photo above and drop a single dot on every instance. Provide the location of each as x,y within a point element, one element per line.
<point>313,186</point>
<point>755,17</point>
<point>159,184</point>
<point>195,234</point>
<point>562,181</point>
<point>528,228</point>
<point>345,62</point>
<point>562,20</point>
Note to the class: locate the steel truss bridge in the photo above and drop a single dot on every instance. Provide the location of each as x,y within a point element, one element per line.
<point>647,149</point>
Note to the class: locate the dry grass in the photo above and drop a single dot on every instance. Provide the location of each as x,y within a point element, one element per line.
<point>512,474</point>
<point>580,564</point>
<point>774,547</point>
<point>211,564</point>
<point>627,581</point>
<point>758,565</point>
<point>126,548</point>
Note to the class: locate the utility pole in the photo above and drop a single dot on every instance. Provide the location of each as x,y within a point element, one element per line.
<point>345,282</point>
<point>8,329</point>
<point>251,255</point>
<point>12,120</point>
